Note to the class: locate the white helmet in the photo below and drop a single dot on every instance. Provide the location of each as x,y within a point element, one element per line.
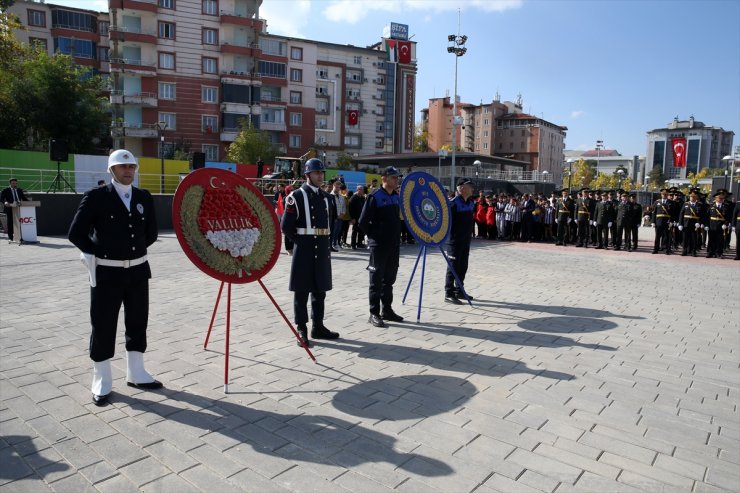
<point>121,156</point>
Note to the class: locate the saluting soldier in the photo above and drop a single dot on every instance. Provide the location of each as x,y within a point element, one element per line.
<point>113,227</point>
<point>458,244</point>
<point>661,222</point>
<point>307,222</point>
<point>692,218</point>
<point>564,215</point>
<point>381,222</point>
<point>719,221</point>
<point>583,217</point>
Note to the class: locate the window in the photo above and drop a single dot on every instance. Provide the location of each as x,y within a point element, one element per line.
<point>210,36</point>
<point>380,110</point>
<point>211,152</point>
<point>296,53</point>
<point>379,126</point>
<point>378,142</point>
<point>209,123</point>
<point>210,7</point>
<point>38,43</point>
<point>321,123</point>
<point>170,119</point>
<point>322,106</point>
<point>103,28</point>
<point>486,121</point>
<point>167,61</point>
<point>210,65</point>
<point>296,97</point>
<point>380,80</point>
<point>353,94</point>
<point>78,21</point>
<point>322,73</point>
<point>294,141</point>
<point>167,30</point>
<point>36,18</point>
<point>296,119</point>
<point>166,90</point>
<point>273,47</point>
<point>485,145</point>
<point>353,140</point>
<point>76,47</point>
<point>381,65</point>
<point>272,69</point>
<point>296,75</point>
<point>358,60</point>
<point>166,4</point>
<point>522,133</point>
<point>209,94</point>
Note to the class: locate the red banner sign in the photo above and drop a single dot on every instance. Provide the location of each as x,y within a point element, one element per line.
<point>404,51</point>
<point>679,152</point>
<point>226,226</point>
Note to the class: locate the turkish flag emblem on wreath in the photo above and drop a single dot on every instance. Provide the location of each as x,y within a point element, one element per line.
<point>353,116</point>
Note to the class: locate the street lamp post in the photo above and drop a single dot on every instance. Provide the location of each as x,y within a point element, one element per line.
<point>620,172</point>
<point>599,147</point>
<point>729,164</point>
<point>544,175</point>
<point>570,162</point>
<point>161,127</point>
<point>477,165</point>
<point>456,47</point>
<point>441,154</point>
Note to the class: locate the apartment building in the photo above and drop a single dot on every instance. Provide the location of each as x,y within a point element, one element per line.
<point>497,129</point>
<point>705,147</point>
<point>186,73</point>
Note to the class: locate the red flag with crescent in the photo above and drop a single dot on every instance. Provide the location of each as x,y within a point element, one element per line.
<point>353,116</point>
<point>679,152</point>
<point>404,51</point>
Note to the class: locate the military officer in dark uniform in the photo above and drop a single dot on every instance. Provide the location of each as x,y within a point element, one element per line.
<point>307,222</point>
<point>676,196</point>
<point>636,211</point>
<point>719,220</point>
<point>113,227</point>
<point>381,222</point>
<point>564,215</point>
<point>458,243</point>
<point>662,214</point>
<point>691,220</point>
<point>603,217</point>
<point>624,224</point>
<point>584,207</point>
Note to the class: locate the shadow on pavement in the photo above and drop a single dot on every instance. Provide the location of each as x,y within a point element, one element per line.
<point>298,437</point>
<point>565,325</point>
<point>458,361</point>
<point>573,311</point>
<point>13,466</point>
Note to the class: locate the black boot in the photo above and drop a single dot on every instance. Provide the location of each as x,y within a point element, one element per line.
<point>390,315</point>
<point>303,333</point>
<point>318,331</point>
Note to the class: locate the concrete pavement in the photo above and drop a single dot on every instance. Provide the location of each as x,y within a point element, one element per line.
<point>575,370</point>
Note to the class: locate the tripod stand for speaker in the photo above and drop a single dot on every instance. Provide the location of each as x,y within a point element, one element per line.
<point>58,179</point>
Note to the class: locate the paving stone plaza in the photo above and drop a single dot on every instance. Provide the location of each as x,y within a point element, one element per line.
<point>574,370</point>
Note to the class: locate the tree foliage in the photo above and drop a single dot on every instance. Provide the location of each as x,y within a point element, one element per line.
<point>344,161</point>
<point>421,138</point>
<point>251,145</point>
<point>44,97</point>
<point>656,178</point>
<point>582,174</point>
<point>607,181</point>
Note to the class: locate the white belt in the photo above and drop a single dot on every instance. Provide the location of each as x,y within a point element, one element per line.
<point>121,263</point>
<point>313,231</point>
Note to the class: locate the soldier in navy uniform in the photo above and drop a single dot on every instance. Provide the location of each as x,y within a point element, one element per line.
<point>381,221</point>
<point>564,209</point>
<point>662,214</point>
<point>307,222</point>
<point>691,220</point>
<point>458,244</point>
<point>113,227</point>
<point>719,219</point>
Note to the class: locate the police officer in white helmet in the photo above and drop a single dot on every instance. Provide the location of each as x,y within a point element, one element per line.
<point>113,227</point>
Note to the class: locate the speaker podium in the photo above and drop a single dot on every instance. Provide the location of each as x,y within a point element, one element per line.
<point>24,221</point>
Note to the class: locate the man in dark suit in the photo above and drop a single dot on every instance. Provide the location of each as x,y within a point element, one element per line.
<point>10,197</point>
<point>113,227</point>
<point>307,222</point>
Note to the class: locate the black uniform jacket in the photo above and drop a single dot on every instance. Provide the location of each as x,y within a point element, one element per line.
<point>693,214</point>
<point>719,214</point>
<point>7,196</point>
<point>564,209</point>
<point>624,215</point>
<point>103,227</point>
<point>604,213</point>
<point>311,263</point>
<point>663,212</point>
<point>461,214</point>
<point>381,218</point>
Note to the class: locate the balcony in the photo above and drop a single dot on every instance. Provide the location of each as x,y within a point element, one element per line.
<point>274,126</point>
<point>120,33</point>
<point>133,66</point>
<point>229,134</point>
<point>116,97</point>
<point>269,99</point>
<point>240,78</point>
<point>248,49</point>
<point>127,129</point>
<point>140,5</point>
<point>231,17</point>
<point>148,99</point>
<point>237,108</point>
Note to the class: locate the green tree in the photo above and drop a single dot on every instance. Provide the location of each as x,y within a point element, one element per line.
<point>11,50</point>
<point>251,145</point>
<point>656,178</point>
<point>421,138</point>
<point>50,97</point>
<point>582,174</point>
<point>344,161</point>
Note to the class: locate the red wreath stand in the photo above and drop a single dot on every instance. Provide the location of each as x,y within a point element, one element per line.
<point>217,215</point>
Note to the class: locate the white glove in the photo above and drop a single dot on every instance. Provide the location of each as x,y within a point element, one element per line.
<point>556,221</point>
<point>569,220</point>
<point>593,223</point>
<point>724,226</point>
<point>733,229</point>
<point>680,228</point>
<point>610,224</point>
<point>697,226</point>
<point>706,228</point>
<point>90,262</point>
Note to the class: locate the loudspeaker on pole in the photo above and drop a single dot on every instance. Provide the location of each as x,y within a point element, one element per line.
<point>58,150</point>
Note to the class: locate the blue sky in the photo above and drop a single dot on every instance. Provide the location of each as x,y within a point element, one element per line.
<point>608,70</point>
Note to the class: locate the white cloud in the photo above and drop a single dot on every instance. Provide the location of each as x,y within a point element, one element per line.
<point>577,114</point>
<point>352,11</point>
<point>583,147</point>
<point>288,17</point>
